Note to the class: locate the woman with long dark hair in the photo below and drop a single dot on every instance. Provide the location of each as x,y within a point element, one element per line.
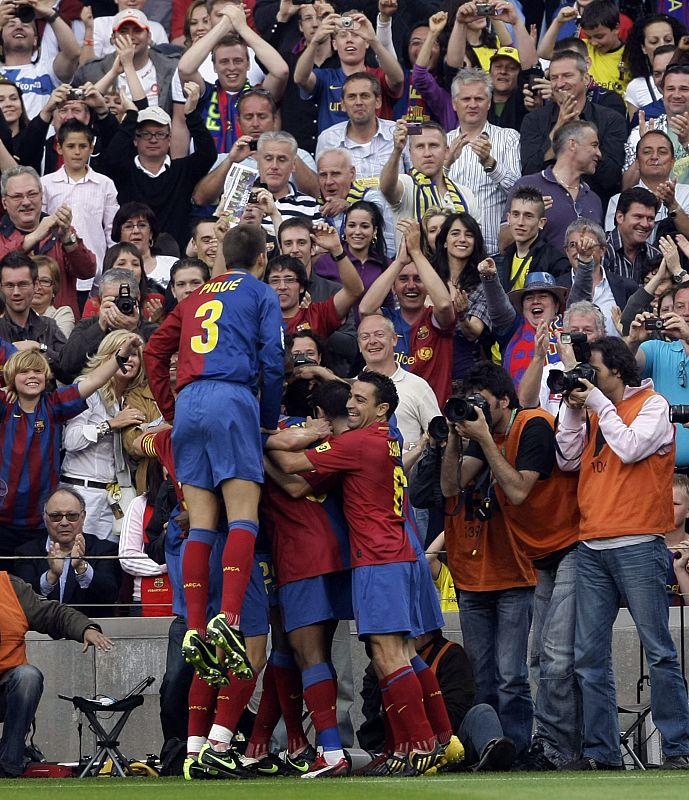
<point>459,248</point>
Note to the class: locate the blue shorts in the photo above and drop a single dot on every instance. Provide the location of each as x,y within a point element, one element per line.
<point>254,614</point>
<point>426,613</point>
<point>314,600</point>
<point>383,596</point>
<point>216,435</point>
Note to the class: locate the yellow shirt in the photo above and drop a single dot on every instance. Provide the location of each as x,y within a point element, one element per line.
<point>484,54</point>
<point>606,69</point>
<point>446,589</point>
<point>518,272</point>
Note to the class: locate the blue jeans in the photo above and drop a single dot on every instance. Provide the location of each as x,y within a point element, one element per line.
<point>557,710</point>
<point>20,692</point>
<point>479,726</point>
<point>604,577</point>
<point>495,631</point>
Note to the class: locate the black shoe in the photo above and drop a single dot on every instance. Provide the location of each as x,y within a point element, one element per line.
<point>497,756</point>
<point>675,762</point>
<point>589,764</point>
<point>534,760</point>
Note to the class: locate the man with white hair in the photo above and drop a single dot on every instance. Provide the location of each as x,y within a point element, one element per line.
<point>340,187</point>
<point>483,156</point>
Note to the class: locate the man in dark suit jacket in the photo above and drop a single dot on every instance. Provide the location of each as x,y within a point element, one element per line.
<point>65,573</point>
<point>585,244</point>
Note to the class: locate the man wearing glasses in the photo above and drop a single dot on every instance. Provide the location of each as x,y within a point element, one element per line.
<point>138,160</point>
<point>20,324</point>
<point>25,228</point>
<point>62,569</point>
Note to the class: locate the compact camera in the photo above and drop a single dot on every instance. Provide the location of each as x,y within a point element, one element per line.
<point>486,10</point>
<point>302,360</point>
<point>25,14</point>
<point>346,22</point>
<point>654,324</point>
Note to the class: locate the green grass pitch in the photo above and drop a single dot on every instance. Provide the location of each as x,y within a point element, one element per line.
<point>510,786</point>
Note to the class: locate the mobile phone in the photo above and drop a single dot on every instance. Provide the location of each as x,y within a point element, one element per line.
<point>253,145</point>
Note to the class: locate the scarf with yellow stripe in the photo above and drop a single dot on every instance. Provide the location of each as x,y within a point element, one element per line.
<point>427,195</point>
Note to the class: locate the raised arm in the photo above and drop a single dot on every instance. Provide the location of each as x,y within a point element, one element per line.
<point>304,76</point>
<point>374,298</point>
<point>278,71</point>
<point>438,293</point>
<point>327,237</point>
<point>530,384</point>
<point>502,312</point>
<point>192,59</point>
<point>102,374</point>
<point>394,75</point>
<point>66,61</point>
<point>390,185</point>
<point>547,45</point>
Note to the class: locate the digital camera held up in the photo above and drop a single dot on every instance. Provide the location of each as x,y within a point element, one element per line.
<point>460,409</point>
<point>124,300</point>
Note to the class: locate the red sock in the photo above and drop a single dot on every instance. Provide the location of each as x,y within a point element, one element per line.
<point>232,701</point>
<point>267,717</point>
<point>405,692</point>
<point>433,702</point>
<point>288,682</point>
<point>195,571</point>
<point>321,701</point>
<point>237,562</point>
<point>202,700</point>
<point>389,746</point>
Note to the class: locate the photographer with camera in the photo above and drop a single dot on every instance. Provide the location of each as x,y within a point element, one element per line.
<point>665,362</point>
<point>36,72</point>
<point>527,517</point>
<point>618,436</point>
<point>119,310</point>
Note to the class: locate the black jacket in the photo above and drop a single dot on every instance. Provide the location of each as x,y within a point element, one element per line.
<point>612,136</point>
<point>104,587</point>
<point>544,258</point>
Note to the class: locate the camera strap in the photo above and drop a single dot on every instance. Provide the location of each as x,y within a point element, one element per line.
<point>587,437</point>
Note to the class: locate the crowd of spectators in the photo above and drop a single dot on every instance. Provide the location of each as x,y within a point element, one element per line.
<point>442,185</point>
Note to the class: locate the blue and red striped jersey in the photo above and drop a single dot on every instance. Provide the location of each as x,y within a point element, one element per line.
<point>229,329</point>
<point>30,452</point>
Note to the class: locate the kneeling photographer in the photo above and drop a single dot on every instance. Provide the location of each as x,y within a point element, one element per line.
<point>512,509</point>
<point>618,436</point>
<point>665,362</point>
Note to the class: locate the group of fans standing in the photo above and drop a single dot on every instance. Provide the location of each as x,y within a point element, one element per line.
<point>439,189</point>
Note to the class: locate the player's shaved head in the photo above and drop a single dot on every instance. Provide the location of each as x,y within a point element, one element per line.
<point>243,245</point>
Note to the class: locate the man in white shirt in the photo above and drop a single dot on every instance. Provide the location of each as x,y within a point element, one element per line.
<point>22,61</point>
<point>417,401</point>
<point>482,156</point>
<point>368,138</point>
<point>102,28</point>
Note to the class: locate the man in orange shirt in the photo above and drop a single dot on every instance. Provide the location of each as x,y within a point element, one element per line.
<point>619,437</point>
<point>21,684</point>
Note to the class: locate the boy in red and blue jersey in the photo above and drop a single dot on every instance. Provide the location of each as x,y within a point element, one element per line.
<point>383,561</point>
<point>229,337</point>
<point>31,436</point>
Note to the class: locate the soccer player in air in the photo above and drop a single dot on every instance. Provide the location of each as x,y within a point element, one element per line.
<point>229,381</point>
<point>369,459</point>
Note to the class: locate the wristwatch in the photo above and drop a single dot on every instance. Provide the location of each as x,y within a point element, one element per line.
<point>680,276</point>
<point>70,240</point>
<point>103,429</point>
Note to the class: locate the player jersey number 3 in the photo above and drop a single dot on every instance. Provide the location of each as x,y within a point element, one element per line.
<point>209,313</point>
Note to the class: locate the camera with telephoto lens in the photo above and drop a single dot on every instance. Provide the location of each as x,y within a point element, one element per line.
<point>463,409</point>
<point>124,300</point>
<point>25,14</point>
<point>302,360</point>
<point>679,414</point>
<point>438,429</point>
<point>654,324</point>
<point>562,382</point>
